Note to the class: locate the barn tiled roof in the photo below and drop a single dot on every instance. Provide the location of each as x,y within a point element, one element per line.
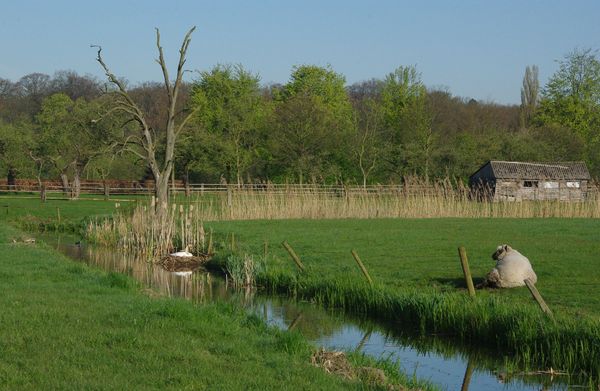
<point>529,170</point>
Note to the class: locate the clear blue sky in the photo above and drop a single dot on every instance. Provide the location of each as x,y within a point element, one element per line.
<point>476,49</point>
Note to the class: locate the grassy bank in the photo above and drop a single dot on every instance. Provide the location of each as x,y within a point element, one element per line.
<point>422,253</point>
<point>418,279</point>
<point>67,326</point>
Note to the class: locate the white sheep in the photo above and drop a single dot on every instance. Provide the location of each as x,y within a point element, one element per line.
<point>512,268</point>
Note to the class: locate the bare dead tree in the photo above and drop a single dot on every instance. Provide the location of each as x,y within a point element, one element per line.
<point>144,143</point>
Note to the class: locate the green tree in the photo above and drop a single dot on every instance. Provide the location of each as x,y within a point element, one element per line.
<point>312,125</point>
<point>529,95</point>
<point>70,138</point>
<point>231,119</point>
<point>367,141</point>
<point>15,142</point>
<point>301,141</point>
<point>571,99</point>
<point>408,123</point>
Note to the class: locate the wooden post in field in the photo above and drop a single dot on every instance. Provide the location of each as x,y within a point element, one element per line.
<point>58,214</point>
<point>232,242</point>
<point>467,272</point>
<point>536,295</point>
<point>265,249</point>
<point>362,267</point>
<point>292,253</point>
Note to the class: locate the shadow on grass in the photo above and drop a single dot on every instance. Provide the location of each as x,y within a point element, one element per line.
<point>458,283</point>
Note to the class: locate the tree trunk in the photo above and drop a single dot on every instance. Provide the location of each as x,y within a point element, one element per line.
<point>42,191</point>
<point>11,179</point>
<point>65,183</point>
<point>76,188</point>
<point>106,190</point>
<point>161,191</point>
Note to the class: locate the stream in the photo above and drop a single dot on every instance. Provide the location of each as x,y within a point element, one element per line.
<point>438,360</point>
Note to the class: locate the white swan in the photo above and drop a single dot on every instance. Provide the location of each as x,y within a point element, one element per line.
<point>184,253</point>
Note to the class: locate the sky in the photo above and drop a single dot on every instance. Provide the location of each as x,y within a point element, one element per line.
<point>474,49</point>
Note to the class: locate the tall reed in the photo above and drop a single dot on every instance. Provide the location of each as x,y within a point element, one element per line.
<point>414,199</point>
<point>148,232</point>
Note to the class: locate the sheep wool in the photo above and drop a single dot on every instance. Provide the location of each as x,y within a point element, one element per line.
<point>512,268</point>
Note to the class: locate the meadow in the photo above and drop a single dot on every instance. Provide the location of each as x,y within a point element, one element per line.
<point>416,270</point>
<point>422,253</point>
<point>68,326</point>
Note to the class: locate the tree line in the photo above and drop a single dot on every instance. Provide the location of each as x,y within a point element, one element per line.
<point>314,128</point>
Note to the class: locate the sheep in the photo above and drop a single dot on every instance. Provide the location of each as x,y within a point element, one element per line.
<point>512,268</point>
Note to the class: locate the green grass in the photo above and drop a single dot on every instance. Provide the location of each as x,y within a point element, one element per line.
<point>67,326</point>
<point>418,279</point>
<point>419,283</point>
<point>422,253</point>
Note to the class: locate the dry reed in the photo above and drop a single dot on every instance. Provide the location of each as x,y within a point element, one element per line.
<point>440,199</point>
<point>146,232</point>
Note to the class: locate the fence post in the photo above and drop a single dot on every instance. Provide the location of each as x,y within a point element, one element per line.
<point>292,253</point>
<point>536,295</point>
<point>362,267</point>
<point>188,191</point>
<point>467,272</point>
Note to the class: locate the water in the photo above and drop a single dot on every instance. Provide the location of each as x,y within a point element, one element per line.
<point>436,359</point>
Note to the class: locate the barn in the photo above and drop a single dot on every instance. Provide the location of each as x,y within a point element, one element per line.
<point>517,181</point>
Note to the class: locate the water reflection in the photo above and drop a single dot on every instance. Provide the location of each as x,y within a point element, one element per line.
<point>441,361</point>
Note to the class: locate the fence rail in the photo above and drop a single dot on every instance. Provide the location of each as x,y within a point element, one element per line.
<point>116,187</point>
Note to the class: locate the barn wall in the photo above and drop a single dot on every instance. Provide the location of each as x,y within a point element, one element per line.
<point>507,190</point>
<point>483,175</point>
<point>514,190</point>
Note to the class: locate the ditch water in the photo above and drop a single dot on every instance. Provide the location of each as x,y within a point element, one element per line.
<point>429,358</point>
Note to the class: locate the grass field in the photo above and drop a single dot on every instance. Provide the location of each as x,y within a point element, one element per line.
<point>422,253</point>
<point>67,326</point>
<point>418,279</point>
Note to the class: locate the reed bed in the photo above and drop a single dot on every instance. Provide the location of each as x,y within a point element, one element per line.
<point>413,200</point>
<point>145,231</point>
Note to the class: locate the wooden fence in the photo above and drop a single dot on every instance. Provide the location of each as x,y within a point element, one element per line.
<point>107,188</point>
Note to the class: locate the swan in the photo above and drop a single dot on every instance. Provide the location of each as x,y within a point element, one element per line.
<point>184,253</point>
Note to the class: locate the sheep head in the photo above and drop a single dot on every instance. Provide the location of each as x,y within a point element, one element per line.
<point>501,252</point>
